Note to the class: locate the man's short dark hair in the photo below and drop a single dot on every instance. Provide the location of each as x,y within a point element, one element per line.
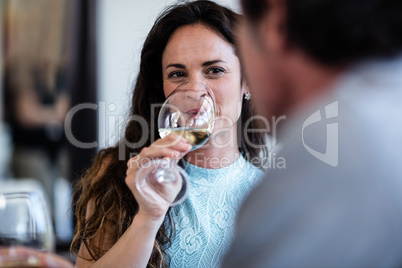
<point>339,31</point>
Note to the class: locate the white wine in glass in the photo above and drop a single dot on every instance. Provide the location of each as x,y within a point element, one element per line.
<point>195,136</point>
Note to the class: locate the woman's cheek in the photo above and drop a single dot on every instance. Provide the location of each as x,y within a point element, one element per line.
<point>168,88</point>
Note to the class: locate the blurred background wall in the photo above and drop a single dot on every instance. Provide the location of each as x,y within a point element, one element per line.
<point>36,96</point>
<point>4,133</point>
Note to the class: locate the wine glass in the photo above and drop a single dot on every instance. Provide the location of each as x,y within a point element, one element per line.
<point>24,221</point>
<point>189,112</point>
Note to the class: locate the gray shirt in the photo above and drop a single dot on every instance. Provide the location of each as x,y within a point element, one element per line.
<point>338,202</point>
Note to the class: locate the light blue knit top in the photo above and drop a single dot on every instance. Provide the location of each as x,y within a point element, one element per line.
<point>205,222</point>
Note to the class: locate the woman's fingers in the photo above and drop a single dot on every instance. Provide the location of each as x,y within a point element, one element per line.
<point>172,146</point>
<point>148,154</point>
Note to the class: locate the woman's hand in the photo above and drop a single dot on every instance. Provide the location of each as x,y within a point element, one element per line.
<point>172,147</point>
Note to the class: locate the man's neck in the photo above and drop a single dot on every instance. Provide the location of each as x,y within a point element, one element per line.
<point>310,80</point>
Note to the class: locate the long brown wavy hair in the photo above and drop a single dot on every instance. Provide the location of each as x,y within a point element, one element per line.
<point>114,203</point>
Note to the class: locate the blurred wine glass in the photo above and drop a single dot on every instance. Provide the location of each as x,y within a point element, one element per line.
<point>24,221</point>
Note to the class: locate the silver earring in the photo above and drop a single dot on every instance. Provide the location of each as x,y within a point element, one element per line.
<point>247,96</point>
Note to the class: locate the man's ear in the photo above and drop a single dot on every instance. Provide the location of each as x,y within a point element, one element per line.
<point>273,27</point>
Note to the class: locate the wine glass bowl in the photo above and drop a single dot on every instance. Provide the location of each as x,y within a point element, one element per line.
<point>189,112</point>
<point>161,182</point>
<point>24,221</point>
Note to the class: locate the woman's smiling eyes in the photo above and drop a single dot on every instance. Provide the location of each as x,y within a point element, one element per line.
<point>216,71</point>
<point>212,72</point>
<point>176,74</point>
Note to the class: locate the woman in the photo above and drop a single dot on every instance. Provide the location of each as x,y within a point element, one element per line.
<point>116,226</point>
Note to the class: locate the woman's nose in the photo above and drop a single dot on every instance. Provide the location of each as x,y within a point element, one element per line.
<point>194,89</point>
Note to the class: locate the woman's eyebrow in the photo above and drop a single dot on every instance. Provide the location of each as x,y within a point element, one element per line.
<point>176,65</point>
<point>207,63</point>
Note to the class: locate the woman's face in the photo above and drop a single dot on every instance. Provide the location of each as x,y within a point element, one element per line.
<point>196,53</point>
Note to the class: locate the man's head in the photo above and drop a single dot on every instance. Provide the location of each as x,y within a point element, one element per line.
<point>286,44</point>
